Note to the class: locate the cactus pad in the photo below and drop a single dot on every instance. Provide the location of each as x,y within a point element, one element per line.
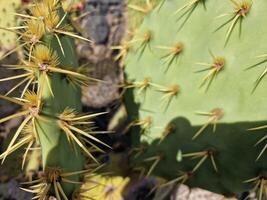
<point>7,20</point>
<point>197,94</point>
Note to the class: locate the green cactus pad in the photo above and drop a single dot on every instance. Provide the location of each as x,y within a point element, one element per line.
<point>199,85</point>
<point>7,20</point>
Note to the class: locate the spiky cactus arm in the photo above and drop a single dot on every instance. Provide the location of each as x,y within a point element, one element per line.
<point>52,116</point>
<point>196,89</point>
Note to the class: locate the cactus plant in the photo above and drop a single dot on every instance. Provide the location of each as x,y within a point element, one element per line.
<point>196,95</point>
<point>51,101</point>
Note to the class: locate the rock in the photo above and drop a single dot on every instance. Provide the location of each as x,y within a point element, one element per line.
<point>11,191</point>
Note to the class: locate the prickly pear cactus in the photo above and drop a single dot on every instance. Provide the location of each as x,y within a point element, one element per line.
<point>196,95</point>
<point>8,19</point>
<point>51,101</point>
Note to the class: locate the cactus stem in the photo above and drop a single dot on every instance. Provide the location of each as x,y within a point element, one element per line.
<point>214,116</point>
